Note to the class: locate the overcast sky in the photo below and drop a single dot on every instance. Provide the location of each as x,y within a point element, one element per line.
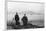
<point>28,0</point>
<point>19,7</point>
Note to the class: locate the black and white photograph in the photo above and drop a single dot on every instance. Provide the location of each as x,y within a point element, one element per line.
<point>25,15</point>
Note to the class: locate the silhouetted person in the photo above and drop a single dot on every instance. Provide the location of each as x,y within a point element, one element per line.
<point>25,20</point>
<point>17,19</point>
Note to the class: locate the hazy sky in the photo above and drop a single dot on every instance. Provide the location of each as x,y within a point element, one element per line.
<point>34,7</point>
<point>27,0</point>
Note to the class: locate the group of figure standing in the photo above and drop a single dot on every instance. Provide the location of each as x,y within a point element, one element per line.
<point>24,19</point>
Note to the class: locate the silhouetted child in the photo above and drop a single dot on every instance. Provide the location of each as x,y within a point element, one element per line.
<point>25,20</point>
<point>17,19</point>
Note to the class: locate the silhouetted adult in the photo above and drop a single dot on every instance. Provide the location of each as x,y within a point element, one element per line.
<point>25,20</point>
<point>17,19</point>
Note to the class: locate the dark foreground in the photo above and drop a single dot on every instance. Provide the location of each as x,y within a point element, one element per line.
<point>13,26</point>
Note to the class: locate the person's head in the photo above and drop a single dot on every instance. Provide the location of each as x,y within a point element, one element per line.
<point>16,13</point>
<point>24,14</point>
